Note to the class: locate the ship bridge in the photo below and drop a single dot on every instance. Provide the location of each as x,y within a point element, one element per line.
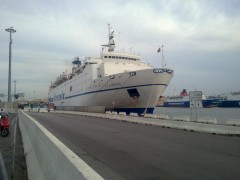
<point>119,56</point>
<point>115,62</point>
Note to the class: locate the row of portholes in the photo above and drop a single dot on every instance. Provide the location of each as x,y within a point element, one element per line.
<point>119,57</point>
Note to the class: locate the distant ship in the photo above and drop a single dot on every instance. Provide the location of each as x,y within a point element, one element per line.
<point>118,81</point>
<point>232,100</point>
<point>216,100</point>
<point>183,100</point>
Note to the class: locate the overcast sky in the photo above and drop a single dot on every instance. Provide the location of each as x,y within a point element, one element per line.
<point>201,39</point>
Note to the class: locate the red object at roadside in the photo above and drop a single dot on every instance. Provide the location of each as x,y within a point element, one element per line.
<point>4,122</point>
<point>4,125</point>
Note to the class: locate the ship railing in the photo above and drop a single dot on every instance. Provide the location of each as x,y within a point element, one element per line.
<point>77,70</point>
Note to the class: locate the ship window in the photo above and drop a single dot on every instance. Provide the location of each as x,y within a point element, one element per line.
<point>113,56</point>
<point>105,56</point>
<point>116,57</point>
<point>109,56</point>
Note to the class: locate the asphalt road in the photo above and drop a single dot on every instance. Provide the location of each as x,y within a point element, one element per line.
<point>121,150</point>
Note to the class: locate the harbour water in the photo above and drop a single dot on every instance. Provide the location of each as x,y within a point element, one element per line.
<point>222,114</point>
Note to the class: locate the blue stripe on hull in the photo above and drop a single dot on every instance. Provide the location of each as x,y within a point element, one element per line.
<point>177,104</point>
<point>112,89</point>
<point>205,103</point>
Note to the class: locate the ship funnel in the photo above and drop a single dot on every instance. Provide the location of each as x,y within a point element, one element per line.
<point>76,61</point>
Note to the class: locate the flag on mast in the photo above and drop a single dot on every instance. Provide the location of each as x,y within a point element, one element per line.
<point>159,50</point>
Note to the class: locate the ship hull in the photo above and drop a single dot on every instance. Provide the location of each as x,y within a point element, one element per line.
<point>128,92</point>
<point>230,104</point>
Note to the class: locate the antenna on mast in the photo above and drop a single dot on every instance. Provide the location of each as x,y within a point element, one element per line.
<point>111,43</point>
<point>163,58</point>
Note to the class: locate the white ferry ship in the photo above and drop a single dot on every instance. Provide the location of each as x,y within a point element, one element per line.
<point>117,81</point>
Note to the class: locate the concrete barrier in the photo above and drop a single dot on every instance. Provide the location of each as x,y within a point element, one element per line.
<point>49,158</point>
<point>181,118</point>
<point>150,116</point>
<point>207,120</point>
<point>234,122</point>
<point>3,171</point>
<point>156,116</point>
<point>93,109</point>
<point>134,114</point>
<point>162,116</point>
<point>122,113</point>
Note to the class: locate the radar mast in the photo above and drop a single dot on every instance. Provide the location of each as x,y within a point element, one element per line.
<point>111,43</point>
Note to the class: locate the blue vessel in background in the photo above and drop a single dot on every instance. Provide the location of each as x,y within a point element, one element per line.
<point>232,100</point>
<point>183,100</point>
<point>216,100</point>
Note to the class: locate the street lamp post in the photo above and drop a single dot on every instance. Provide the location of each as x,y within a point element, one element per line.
<point>10,30</point>
<point>15,84</point>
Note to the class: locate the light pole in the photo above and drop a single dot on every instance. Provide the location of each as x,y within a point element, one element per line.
<point>15,84</point>
<point>10,30</point>
<point>34,95</point>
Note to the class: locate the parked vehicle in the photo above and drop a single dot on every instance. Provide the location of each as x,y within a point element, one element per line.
<point>4,124</point>
<point>43,108</point>
<point>26,108</point>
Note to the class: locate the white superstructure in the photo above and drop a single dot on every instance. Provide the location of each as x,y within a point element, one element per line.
<point>117,81</point>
